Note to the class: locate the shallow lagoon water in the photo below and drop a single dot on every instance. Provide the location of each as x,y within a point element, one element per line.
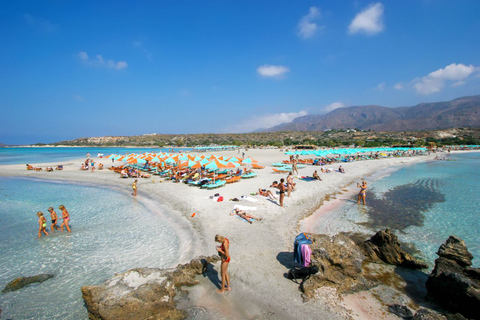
<point>111,233</point>
<point>423,204</point>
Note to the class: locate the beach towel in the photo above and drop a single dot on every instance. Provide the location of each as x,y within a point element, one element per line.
<point>306,253</point>
<point>307,178</point>
<point>247,198</point>
<point>238,206</point>
<point>244,218</point>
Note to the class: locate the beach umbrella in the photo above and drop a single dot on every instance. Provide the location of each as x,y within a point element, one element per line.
<point>249,160</point>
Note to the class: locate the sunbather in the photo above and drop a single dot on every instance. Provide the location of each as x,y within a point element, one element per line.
<point>266,193</point>
<point>316,176</point>
<point>244,215</point>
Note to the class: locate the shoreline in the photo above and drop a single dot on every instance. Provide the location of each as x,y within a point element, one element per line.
<point>269,241</point>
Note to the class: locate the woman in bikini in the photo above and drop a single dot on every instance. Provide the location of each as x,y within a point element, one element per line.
<point>42,224</point>
<point>363,192</point>
<point>244,215</point>
<point>54,217</point>
<point>66,218</point>
<point>266,193</point>
<point>290,184</point>
<point>224,252</point>
<point>134,187</point>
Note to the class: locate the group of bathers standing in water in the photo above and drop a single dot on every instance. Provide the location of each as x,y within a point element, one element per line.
<point>42,221</point>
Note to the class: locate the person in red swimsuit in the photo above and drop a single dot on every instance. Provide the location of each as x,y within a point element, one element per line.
<point>224,252</point>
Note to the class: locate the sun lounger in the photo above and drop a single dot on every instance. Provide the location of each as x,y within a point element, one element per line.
<point>233,179</point>
<point>249,175</point>
<point>280,171</point>
<point>214,185</point>
<point>256,166</point>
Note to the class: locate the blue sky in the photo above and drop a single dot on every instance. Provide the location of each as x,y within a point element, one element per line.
<point>71,69</point>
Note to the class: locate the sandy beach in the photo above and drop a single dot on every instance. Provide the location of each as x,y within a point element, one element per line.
<point>261,252</point>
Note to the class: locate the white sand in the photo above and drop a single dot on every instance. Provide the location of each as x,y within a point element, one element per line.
<point>259,251</point>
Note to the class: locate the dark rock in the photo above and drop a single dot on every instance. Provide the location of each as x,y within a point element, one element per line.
<point>384,246</point>
<point>401,311</point>
<point>455,249</point>
<point>426,314</point>
<point>456,316</point>
<point>19,283</point>
<point>144,293</point>
<point>339,261</point>
<point>452,284</point>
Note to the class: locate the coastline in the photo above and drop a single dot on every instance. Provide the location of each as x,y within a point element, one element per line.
<point>260,252</point>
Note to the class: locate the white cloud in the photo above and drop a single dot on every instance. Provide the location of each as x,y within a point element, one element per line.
<point>307,25</point>
<point>272,71</point>
<point>369,21</point>
<point>436,80</point>
<point>458,83</point>
<point>100,62</point>
<point>333,106</point>
<point>41,24</point>
<point>381,86</point>
<point>398,86</point>
<point>139,44</point>
<point>267,121</point>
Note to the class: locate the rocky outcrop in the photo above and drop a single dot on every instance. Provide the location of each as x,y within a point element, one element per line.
<point>384,246</point>
<point>144,293</point>
<point>453,283</point>
<point>339,261</point>
<point>19,283</point>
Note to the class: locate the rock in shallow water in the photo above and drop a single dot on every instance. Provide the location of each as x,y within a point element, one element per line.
<point>19,283</point>
<point>384,246</point>
<point>143,293</point>
<point>454,284</point>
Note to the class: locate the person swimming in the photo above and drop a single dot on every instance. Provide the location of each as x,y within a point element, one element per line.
<point>42,224</point>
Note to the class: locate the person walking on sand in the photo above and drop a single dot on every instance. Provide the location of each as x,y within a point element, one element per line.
<point>54,218</point>
<point>363,192</point>
<point>42,224</point>
<point>295,166</point>
<point>134,187</point>
<point>224,252</point>
<point>66,218</point>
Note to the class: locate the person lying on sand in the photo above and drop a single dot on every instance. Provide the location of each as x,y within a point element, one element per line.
<point>266,193</point>
<point>244,215</point>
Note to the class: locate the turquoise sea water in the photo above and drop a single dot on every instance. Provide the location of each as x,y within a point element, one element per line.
<point>58,154</point>
<point>111,232</point>
<point>423,204</point>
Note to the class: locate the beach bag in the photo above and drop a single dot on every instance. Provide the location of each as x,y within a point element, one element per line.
<point>220,199</point>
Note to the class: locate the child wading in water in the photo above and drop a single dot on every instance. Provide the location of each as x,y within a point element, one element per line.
<point>66,218</point>
<point>223,251</point>
<point>54,217</point>
<point>42,224</point>
<point>134,187</point>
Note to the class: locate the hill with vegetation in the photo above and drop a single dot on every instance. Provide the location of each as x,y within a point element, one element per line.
<point>458,113</point>
<point>329,138</point>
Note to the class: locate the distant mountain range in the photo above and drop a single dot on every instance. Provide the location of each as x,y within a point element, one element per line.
<point>458,113</point>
